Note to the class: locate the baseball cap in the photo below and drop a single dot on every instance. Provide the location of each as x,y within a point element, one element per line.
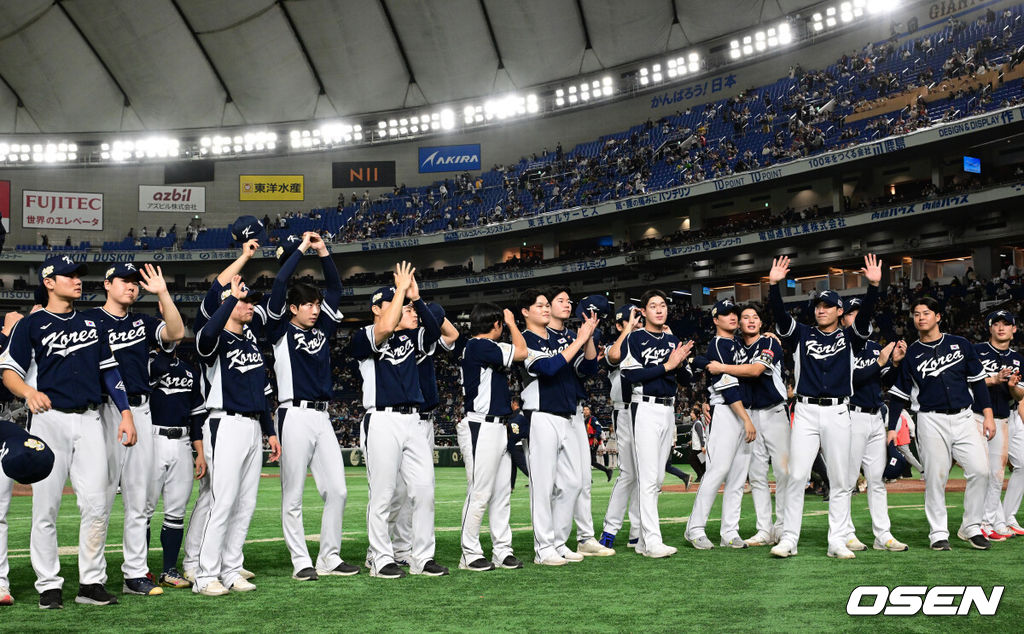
<point>381,295</point>
<point>830,298</point>
<point>61,265</point>
<point>26,458</point>
<point>246,228</point>
<point>593,303</point>
<point>251,296</point>
<point>623,313</point>
<point>725,307</point>
<point>854,303</point>
<point>125,270</point>
<point>287,247</point>
<point>1001,315</point>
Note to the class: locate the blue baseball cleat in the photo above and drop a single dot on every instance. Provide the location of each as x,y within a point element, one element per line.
<point>607,540</point>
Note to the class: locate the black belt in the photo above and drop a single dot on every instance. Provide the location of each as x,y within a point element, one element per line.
<point>865,410</point>
<point>948,412</point>
<point>320,406</point>
<point>659,400</point>
<point>399,409</point>
<point>91,407</point>
<point>172,432</point>
<point>253,415</point>
<point>828,400</point>
<point>500,420</point>
<point>136,400</point>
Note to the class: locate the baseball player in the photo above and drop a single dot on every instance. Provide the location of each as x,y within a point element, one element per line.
<point>483,436</point>
<point>60,363</point>
<point>759,369</point>
<point>25,459</point>
<point>1015,485</point>
<point>131,337</point>
<point>561,336</point>
<point>627,319</point>
<point>518,430</point>
<point>238,411</point>
<point>302,365</point>
<point>824,360</point>
<point>868,448</point>
<point>178,411</point>
<point>392,437</point>
<point>550,401</point>
<point>653,363</point>
<point>1002,367</point>
<point>938,376</point>
<point>729,441</point>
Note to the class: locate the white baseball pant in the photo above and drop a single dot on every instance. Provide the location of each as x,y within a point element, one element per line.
<point>622,497</point>
<point>943,438</point>
<point>234,450</point>
<point>308,441</point>
<point>582,513</point>
<point>1015,486</point>
<point>484,448</point>
<point>998,455</point>
<point>825,427</point>
<point>79,450</point>
<point>868,451</point>
<point>172,477</point>
<point>200,513</point>
<point>132,468</point>
<point>400,511</point>
<point>772,425</point>
<point>6,490</point>
<point>553,456</point>
<point>653,426</point>
<point>728,459</point>
<point>396,448</point>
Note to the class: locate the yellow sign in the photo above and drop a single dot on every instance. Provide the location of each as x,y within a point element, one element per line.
<point>271,187</point>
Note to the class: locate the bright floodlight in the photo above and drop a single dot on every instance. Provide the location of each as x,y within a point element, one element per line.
<point>447,119</point>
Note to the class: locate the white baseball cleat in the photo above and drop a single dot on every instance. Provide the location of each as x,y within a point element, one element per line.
<point>733,542</point>
<point>190,576</point>
<point>760,538</point>
<point>245,574</point>
<point>893,545</point>
<point>591,548</point>
<point>841,552</point>
<point>661,551</point>
<point>550,561</point>
<point>783,549</point>
<point>568,555</point>
<point>855,544</point>
<point>213,589</point>
<point>701,542</point>
<point>5,596</point>
<point>242,585</point>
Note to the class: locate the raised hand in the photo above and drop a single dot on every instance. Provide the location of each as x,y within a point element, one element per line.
<point>687,348</point>
<point>403,275</point>
<point>509,317</point>
<point>899,352</point>
<point>676,357</point>
<point>872,269</point>
<point>152,279</point>
<point>780,269</point>
<point>317,243</point>
<point>886,353</point>
<point>10,319</point>
<point>249,248</point>
<point>238,291</point>
<point>590,324</point>
<point>634,319</point>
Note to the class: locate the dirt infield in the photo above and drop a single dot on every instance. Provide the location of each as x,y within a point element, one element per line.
<point>905,485</point>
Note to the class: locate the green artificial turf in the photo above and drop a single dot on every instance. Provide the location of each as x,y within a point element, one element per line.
<point>732,590</point>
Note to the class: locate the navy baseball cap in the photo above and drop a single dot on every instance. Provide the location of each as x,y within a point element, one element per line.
<point>26,458</point>
<point>623,313</point>
<point>830,298</point>
<point>251,296</point>
<point>593,303</point>
<point>895,465</point>
<point>381,295</point>
<point>1001,315</point>
<point>725,307</point>
<point>288,246</point>
<point>61,265</point>
<point>246,228</point>
<point>124,270</point>
<point>854,303</point>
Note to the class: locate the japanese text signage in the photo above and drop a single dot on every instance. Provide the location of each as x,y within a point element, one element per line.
<point>271,187</point>
<point>61,210</point>
<point>167,198</point>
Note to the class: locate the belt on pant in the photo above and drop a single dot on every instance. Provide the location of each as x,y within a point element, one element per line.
<point>658,400</point>
<point>137,400</point>
<point>865,410</point>
<point>485,418</point>
<point>320,406</point>
<point>253,415</point>
<point>91,407</point>
<point>171,432</point>
<point>399,409</point>
<point>948,412</point>
<point>825,400</point>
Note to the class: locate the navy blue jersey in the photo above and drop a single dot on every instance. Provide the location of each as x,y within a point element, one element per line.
<point>643,363</point>
<point>769,389</point>
<point>5,394</point>
<point>177,399</point>
<point>823,361</point>
<point>484,371</point>
<point>302,358</point>
<point>868,375</point>
<point>935,377</point>
<point>723,389</point>
<point>621,388</point>
<point>390,374</point>
<point>131,338</point>
<point>235,378</point>
<point>993,360</point>
<point>62,356</point>
<point>552,384</point>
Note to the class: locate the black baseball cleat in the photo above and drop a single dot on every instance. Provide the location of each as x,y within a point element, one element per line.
<point>403,563</point>
<point>390,571</point>
<point>434,569</point>
<point>94,594</point>
<point>306,574</point>
<point>511,563</point>
<point>979,542</point>
<point>477,565</point>
<point>942,544</point>
<point>51,599</point>
<point>343,570</point>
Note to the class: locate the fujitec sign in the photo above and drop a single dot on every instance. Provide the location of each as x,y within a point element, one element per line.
<point>61,210</point>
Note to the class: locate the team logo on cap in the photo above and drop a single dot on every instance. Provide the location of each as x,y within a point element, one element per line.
<point>67,259</point>
<point>279,252</point>
<point>109,272</point>
<point>47,271</point>
<point>35,443</point>
<point>377,297</point>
